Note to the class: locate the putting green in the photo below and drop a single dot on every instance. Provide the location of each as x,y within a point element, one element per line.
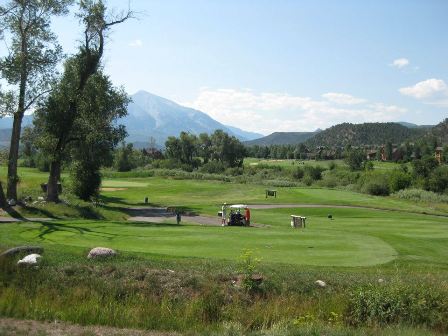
<point>306,247</point>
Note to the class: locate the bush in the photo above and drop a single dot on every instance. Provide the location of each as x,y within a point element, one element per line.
<point>438,180</point>
<point>332,165</point>
<point>376,184</point>
<point>398,304</point>
<point>315,173</point>
<point>298,173</point>
<point>377,188</point>
<point>86,180</point>
<point>419,195</point>
<point>213,167</point>
<point>399,180</point>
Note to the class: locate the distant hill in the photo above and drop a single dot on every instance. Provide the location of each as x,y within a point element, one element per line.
<point>440,132</point>
<point>364,134</point>
<point>411,125</point>
<point>5,137</point>
<point>153,116</point>
<point>282,138</point>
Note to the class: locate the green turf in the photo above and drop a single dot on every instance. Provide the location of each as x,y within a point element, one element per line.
<point>356,237</point>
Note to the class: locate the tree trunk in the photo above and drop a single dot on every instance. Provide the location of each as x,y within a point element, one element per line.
<point>53,179</point>
<point>11,192</point>
<point>2,197</point>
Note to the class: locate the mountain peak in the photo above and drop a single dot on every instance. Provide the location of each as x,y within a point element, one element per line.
<point>152,115</point>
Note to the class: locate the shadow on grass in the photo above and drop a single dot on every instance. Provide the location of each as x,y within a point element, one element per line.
<point>48,228</point>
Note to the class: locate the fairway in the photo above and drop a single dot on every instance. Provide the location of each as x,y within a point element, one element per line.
<point>356,237</point>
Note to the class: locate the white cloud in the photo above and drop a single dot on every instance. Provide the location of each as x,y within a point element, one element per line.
<point>342,98</point>
<point>400,63</point>
<point>136,43</point>
<point>267,112</point>
<point>430,88</point>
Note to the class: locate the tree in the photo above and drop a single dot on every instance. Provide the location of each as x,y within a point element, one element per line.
<point>123,161</point>
<point>64,105</point>
<point>438,180</point>
<point>389,151</point>
<point>354,159</point>
<point>205,147</point>
<point>29,65</point>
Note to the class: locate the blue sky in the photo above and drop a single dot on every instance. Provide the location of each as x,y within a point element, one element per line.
<point>285,65</point>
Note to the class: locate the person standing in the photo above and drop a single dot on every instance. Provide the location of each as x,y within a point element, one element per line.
<point>247,215</point>
<point>178,217</point>
<point>224,214</point>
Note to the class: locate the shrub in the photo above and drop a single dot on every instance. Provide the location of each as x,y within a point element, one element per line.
<point>376,188</point>
<point>213,167</point>
<point>420,195</point>
<point>332,165</point>
<point>86,180</point>
<point>376,184</point>
<point>438,180</point>
<point>298,173</point>
<point>399,180</point>
<point>398,303</point>
<point>315,173</point>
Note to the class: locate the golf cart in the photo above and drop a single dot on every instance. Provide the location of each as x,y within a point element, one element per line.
<point>236,215</point>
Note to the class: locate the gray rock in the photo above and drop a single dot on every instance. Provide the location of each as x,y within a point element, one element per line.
<point>19,249</point>
<point>101,252</point>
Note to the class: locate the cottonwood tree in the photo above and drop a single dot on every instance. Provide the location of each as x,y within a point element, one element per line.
<point>29,66</point>
<point>64,105</point>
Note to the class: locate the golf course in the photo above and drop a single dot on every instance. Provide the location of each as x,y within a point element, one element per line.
<point>350,240</point>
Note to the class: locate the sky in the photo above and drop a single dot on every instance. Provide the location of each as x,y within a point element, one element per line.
<point>282,65</point>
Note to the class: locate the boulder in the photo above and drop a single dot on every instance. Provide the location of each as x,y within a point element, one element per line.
<point>101,252</point>
<point>30,259</point>
<point>320,283</point>
<point>19,249</point>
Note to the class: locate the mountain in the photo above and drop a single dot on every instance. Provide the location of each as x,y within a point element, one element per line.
<point>282,138</point>
<point>6,122</point>
<point>153,116</point>
<point>364,134</point>
<point>241,134</point>
<point>411,125</point>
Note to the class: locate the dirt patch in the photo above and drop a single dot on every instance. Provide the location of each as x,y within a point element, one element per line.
<point>10,327</point>
<point>112,189</point>
<point>163,215</point>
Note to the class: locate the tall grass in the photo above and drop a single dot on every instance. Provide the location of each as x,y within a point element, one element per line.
<point>132,295</point>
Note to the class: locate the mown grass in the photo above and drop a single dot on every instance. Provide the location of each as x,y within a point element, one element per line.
<point>182,277</point>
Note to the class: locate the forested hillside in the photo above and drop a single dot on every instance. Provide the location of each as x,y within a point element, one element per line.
<point>281,138</point>
<point>440,132</point>
<point>364,134</point>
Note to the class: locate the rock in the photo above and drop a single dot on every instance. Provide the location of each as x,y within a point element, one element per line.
<point>320,283</point>
<point>30,259</point>
<point>101,252</point>
<point>40,198</point>
<point>27,249</point>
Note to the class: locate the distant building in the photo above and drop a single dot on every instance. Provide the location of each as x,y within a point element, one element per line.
<point>438,154</point>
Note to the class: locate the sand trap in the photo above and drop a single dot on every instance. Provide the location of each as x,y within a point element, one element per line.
<point>122,184</point>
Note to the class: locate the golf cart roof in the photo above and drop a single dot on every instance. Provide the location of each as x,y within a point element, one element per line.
<point>238,206</point>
